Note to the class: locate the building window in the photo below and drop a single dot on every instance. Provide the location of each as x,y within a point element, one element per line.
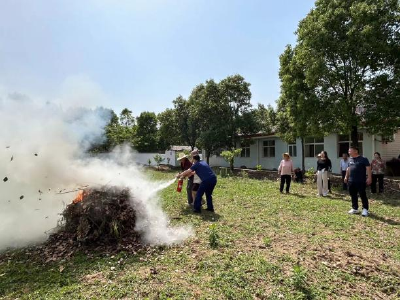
<point>344,142</point>
<point>292,149</point>
<point>313,146</point>
<point>269,148</point>
<point>245,151</point>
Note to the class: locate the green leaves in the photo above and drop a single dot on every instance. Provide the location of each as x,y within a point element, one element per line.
<point>229,155</point>
<point>343,72</point>
<point>146,133</point>
<point>345,47</point>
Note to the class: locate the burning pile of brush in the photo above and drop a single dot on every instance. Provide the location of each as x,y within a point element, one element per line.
<point>100,219</point>
<point>104,215</point>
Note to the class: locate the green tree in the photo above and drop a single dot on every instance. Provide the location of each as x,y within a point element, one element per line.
<point>158,159</point>
<point>186,120</point>
<point>212,115</point>
<point>110,136</point>
<point>113,131</point>
<point>265,118</point>
<point>235,93</point>
<point>229,156</point>
<point>125,133</point>
<point>126,118</point>
<point>350,51</point>
<point>168,130</point>
<point>298,112</point>
<point>147,132</point>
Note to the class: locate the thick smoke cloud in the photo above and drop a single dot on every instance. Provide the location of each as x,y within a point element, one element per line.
<point>42,153</point>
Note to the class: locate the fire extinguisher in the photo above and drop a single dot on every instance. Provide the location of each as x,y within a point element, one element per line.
<point>180,184</point>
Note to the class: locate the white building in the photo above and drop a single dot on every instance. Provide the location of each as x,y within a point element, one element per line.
<point>267,150</point>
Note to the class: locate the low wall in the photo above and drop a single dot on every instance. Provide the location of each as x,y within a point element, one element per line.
<point>143,158</point>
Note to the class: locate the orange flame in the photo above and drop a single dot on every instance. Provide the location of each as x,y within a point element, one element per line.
<point>78,198</point>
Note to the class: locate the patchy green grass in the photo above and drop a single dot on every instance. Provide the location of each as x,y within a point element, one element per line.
<point>259,244</point>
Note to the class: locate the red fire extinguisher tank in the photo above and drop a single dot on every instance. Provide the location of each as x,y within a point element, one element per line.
<point>180,184</point>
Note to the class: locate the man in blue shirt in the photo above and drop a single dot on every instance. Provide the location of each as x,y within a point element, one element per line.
<point>356,177</point>
<point>207,185</point>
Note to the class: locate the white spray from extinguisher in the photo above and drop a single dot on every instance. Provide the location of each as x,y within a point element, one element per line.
<point>163,186</point>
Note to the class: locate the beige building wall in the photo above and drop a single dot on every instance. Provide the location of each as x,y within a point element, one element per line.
<point>391,149</point>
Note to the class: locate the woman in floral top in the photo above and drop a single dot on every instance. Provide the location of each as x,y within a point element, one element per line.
<point>378,171</point>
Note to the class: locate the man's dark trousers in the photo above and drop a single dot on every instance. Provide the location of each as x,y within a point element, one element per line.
<point>207,186</point>
<point>356,188</point>
<point>189,190</point>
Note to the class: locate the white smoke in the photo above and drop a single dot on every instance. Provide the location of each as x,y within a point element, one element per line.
<point>42,153</point>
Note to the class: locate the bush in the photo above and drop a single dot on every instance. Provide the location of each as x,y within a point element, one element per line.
<point>310,172</point>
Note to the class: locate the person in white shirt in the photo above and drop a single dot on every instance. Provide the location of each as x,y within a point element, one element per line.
<point>196,185</point>
<point>344,164</point>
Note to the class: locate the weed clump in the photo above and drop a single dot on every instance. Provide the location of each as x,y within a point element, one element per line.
<point>213,236</point>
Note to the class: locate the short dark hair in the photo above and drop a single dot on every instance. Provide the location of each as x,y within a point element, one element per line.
<point>354,148</point>
<point>196,157</point>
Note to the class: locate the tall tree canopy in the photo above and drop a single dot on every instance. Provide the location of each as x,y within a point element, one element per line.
<point>188,128</point>
<point>146,133</point>
<point>350,50</point>
<point>168,131</point>
<point>212,115</point>
<point>235,93</point>
<point>299,112</point>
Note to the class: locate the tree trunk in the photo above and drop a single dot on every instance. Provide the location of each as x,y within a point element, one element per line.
<point>208,157</point>
<point>354,136</point>
<point>231,164</point>
<point>303,166</point>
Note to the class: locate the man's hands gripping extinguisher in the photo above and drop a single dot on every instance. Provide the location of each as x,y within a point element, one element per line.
<point>180,184</point>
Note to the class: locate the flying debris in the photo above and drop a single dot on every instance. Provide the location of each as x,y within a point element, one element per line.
<point>22,197</point>
<point>12,157</point>
<point>5,179</point>
<point>36,154</point>
<point>7,147</point>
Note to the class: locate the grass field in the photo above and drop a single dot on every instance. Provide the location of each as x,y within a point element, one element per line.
<point>259,244</point>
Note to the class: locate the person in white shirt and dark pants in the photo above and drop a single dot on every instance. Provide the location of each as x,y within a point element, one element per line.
<point>285,170</point>
<point>344,164</point>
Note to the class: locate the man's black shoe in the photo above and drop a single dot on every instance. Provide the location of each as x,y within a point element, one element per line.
<point>197,211</point>
<point>210,209</point>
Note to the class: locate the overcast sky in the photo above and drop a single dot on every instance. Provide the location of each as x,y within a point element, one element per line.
<point>142,54</point>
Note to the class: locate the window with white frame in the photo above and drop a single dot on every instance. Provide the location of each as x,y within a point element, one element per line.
<point>344,142</point>
<point>313,146</point>
<point>269,148</point>
<point>292,149</point>
<point>245,151</point>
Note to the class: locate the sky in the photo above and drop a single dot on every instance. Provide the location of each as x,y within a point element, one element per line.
<point>141,54</point>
